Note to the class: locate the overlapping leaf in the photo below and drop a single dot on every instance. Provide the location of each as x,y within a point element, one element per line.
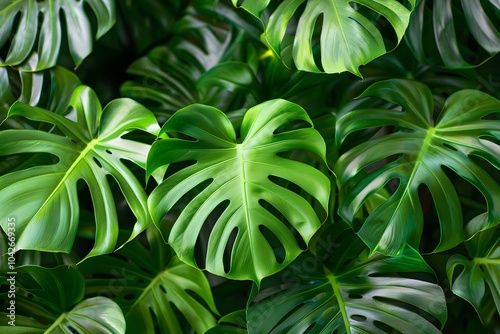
<point>238,177</point>
<point>51,301</point>
<point>44,199</point>
<point>452,30</point>
<point>46,13</point>
<point>348,35</point>
<point>151,281</point>
<point>479,281</point>
<point>414,155</point>
<point>350,292</point>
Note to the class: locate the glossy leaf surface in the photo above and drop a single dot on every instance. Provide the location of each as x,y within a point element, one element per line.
<point>350,292</point>
<point>46,14</point>
<point>414,155</point>
<point>47,215</point>
<point>238,176</point>
<point>151,281</point>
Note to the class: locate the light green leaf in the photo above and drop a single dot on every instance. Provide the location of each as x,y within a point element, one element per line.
<point>479,281</point>
<point>350,292</point>
<point>148,281</point>
<point>40,20</point>
<point>47,214</point>
<point>348,35</point>
<point>419,148</point>
<point>238,177</point>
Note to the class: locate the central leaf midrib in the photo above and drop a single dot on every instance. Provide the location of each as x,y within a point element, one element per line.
<point>336,291</point>
<point>418,161</point>
<point>90,146</point>
<point>241,162</point>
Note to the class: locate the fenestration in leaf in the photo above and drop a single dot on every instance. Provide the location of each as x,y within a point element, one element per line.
<point>43,199</point>
<point>239,174</point>
<point>40,20</point>
<point>350,293</point>
<point>421,148</point>
<point>348,36</point>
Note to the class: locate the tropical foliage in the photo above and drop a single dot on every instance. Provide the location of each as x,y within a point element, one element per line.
<point>259,166</point>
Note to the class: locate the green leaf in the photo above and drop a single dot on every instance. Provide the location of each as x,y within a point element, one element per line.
<point>348,36</point>
<point>238,176</point>
<point>453,29</point>
<point>232,323</point>
<point>41,20</point>
<point>166,78</point>
<point>53,300</point>
<point>479,281</point>
<point>350,292</point>
<point>44,199</point>
<point>146,281</point>
<point>419,149</point>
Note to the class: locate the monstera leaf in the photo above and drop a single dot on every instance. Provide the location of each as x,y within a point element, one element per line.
<point>47,15</point>
<point>349,36</point>
<point>53,298</point>
<point>415,155</point>
<point>453,30</point>
<point>151,280</point>
<point>166,78</point>
<point>240,181</point>
<point>350,293</point>
<point>47,215</point>
<point>479,281</point>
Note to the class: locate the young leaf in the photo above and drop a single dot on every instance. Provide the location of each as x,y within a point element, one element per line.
<point>46,14</point>
<point>148,281</point>
<point>350,292</point>
<point>420,149</point>
<point>44,201</point>
<point>239,178</point>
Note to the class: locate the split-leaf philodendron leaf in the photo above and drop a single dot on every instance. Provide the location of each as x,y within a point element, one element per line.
<point>477,280</point>
<point>43,200</point>
<point>349,37</point>
<point>239,177</point>
<point>152,280</point>
<point>41,20</point>
<point>350,292</point>
<point>414,155</point>
<point>51,301</point>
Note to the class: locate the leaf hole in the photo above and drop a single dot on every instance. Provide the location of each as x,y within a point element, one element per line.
<point>355,296</point>
<point>109,152</point>
<point>229,250</point>
<point>154,320</point>
<point>97,162</point>
<point>73,330</point>
<point>275,243</point>
<point>310,328</point>
<point>385,327</point>
<point>290,315</point>
<point>417,311</point>
<point>358,317</point>
<point>276,213</point>
<point>129,296</point>
<point>162,288</point>
<point>205,232</point>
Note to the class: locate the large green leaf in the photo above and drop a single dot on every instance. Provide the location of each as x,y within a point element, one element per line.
<point>148,282</point>
<point>442,31</point>
<point>239,177</point>
<point>53,300</point>
<point>350,292</point>
<point>44,199</point>
<point>166,78</point>
<point>414,155</point>
<point>479,281</point>
<point>348,35</point>
<point>41,20</point>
